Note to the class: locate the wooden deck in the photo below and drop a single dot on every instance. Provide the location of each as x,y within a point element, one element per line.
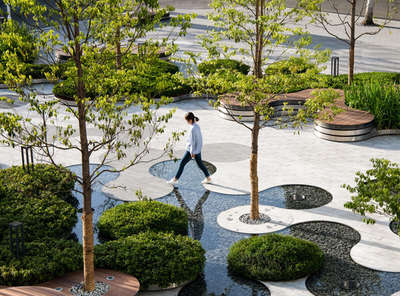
<point>29,291</point>
<point>121,285</point>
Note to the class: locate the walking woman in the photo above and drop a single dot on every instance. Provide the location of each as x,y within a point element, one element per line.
<point>193,150</point>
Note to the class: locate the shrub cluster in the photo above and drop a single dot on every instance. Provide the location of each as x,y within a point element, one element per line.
<point>274,257</point>
<point>44,178</point>
<point>42,200</point>
<point>152,78</point>
<point>154,258</point>
<point>43,260</point>
<point>382,100</point>
<point>340,82</point>
<point>213,66</point>
<point>293,65</point>
<point>143,216</point>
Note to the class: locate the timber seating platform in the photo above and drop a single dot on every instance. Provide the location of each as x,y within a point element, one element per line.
<point>120,285</point>
<point>350,125</point>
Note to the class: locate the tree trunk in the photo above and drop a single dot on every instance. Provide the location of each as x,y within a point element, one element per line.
<point>87,213</point>
<point>352,41</point>
<point>118,48</point>
<point>254,204</point>
<point>259,40</point>
<point>369,13</point>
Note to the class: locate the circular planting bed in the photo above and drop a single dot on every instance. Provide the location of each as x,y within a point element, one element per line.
<point>298,196</point>
<point>271,220</point>
<point>340,275</point>
<point>232,109</point>
<point>350,125</point>
<point>274,257</point>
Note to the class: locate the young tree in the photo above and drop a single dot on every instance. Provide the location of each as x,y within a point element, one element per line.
<point>376,191</point>
<point>344,26</point>
<point>124,22</point>
<point>369,13</point>
<point>73,26</point>
<point>267,28</point>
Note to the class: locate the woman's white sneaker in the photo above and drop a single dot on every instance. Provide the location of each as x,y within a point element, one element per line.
<point>206,181</point>
<point>173,181</point>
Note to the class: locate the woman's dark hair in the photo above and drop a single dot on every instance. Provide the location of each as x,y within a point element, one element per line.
<point>190,116</point>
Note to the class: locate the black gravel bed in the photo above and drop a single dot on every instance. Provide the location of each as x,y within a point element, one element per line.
<point>298,197</point>
<point>394,226</point>
<point>340,275</point>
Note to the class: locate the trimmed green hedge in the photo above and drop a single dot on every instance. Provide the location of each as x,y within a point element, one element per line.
<point>293,65</point>
<point>154,258</point>
<point>43,261</point>
<point>132,218</point>
<point>153,78</point>
<point>42,200</point>
<point>213,66</point>
<point>274,257</point>
<point>57,181</point>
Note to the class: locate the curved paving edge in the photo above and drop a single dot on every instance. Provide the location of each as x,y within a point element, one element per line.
<point>289,288</point>
<point>230,220</point>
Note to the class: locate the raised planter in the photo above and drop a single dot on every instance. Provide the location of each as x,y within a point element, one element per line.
<point>231,109</point>
<point>344,133</point>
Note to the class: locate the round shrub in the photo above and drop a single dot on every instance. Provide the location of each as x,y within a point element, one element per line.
<point>293,65</point>
<point>41,199</point>
<point>43,261</point>
<point>43,216</point>
<point>57,181</point>
<point>158,259</point>
<point>213,66</point>
<point>66,90</point>
<point>132,218</point>
<point>274,257</point>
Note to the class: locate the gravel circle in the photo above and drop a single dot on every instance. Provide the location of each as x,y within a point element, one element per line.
<point>340,275</point>
<point>394,226</point>
<point>100,289</point>
<point>301,197</point>
<point>262,220</point>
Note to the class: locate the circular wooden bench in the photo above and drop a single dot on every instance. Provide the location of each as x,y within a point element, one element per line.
<point>350,125</point>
